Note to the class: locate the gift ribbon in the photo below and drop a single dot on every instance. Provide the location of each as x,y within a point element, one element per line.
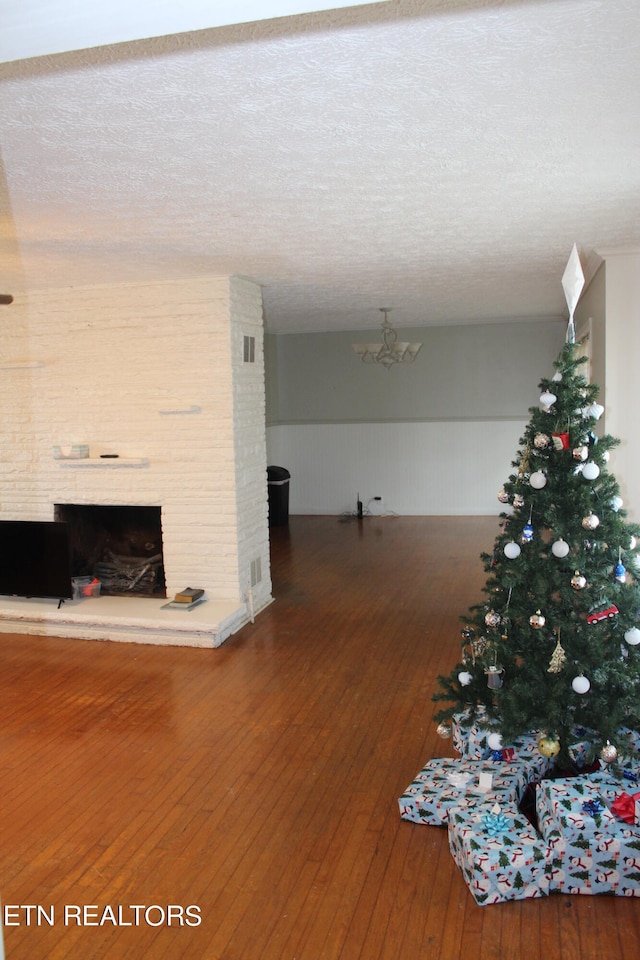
<point>507,753</point>
<point>495,823</point>
<point>624,807</point>
<point>593,807</point>
<point>629,775</point>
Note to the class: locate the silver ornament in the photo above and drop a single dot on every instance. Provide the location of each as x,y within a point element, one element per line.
<point>444,730</point>
<point>503,496</point>
<point>578,582</point>
<point>518,501</point>
<point>541,441</point>
<point>580,453</point>
<point>492,619</point>
<point>609,753</point>
<point>591,522</point>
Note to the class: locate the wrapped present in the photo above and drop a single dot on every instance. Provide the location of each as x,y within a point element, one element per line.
<point>591,851</point>
<point>576,807</point>
<point>471,741</point>
<point>500,855</point>
<point>444,783</point>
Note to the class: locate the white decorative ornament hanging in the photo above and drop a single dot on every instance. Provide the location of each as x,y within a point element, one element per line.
<point>572,283</point>
<point>578,581</point>
<point>616,503</point>
<point>557,377</point>
<point>580,453</point>
<point>547,400</point>
<point>560,548</point>
<point>494,741</point>
<point>606,456</point>
<point>632,637</point>
<point>595,410</point>
<point>512,550</point>
<point>464,678</point>
<point>581,684</point>
<point>538,480</point>
<point>591,471</point>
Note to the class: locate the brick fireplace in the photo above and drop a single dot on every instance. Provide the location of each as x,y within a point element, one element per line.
<point>155,380</point>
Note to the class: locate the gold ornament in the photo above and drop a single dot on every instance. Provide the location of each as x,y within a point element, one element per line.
<point>541,441</point>
<point>537,621</point>
<point>518,501</point>
<point>492,619</point>
<point>549,746</point>
<point>503,496</point>
<point>558,659</point>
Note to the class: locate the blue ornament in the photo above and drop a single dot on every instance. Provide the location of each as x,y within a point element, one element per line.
<point>527,533</point>
<point>620,572</point>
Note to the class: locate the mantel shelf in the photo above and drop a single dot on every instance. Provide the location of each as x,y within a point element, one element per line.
<point>103,461</point>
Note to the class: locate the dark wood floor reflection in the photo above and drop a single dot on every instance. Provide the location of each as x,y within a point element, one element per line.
<point>258,782</point>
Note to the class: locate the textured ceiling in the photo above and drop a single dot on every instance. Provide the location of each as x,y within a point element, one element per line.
<point>437,157</point>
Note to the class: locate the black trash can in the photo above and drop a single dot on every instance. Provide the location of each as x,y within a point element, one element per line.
<point>278,491</point>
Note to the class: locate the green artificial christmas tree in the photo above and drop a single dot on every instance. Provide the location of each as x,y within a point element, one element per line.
<point>555,647</point>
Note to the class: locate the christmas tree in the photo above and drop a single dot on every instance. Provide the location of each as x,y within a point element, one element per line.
<point>555,647</point>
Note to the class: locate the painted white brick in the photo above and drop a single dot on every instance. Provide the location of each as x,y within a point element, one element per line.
<point>150,371</point>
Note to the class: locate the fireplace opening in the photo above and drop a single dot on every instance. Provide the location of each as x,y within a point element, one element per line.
<point>120,545</point>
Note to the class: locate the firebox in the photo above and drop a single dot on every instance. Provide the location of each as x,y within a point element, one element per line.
<point>120,545</point>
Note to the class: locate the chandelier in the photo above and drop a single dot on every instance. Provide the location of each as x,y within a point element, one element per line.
<point>391,350</point>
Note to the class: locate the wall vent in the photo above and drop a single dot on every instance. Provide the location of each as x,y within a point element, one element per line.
<point>256,571</point>
<point>249,350</point>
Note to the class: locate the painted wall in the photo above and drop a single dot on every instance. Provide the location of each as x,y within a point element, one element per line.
<point>435,437</point>
<point>621,365</point>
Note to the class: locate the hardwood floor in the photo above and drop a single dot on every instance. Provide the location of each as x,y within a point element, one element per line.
<point>258,782</point>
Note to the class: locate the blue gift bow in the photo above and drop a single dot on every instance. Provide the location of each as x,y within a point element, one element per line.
<point>593,807</point>
<point>496,754</point>
<point>629,775</point>
<point>495,823</point>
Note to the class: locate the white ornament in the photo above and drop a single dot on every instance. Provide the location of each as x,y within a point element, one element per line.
<point>595,410</point>
<point>538,480</point>
<point>581,684</point>
<point>632,637</point>
<point>560,548</point>
<point>606,456</point>
<point>591,471</point>
<point>512,550</point>
<point>557,377</point>
<point>616,503</point>
<point>494,741</point>
<point>465,678</point>
<point>547,399</point>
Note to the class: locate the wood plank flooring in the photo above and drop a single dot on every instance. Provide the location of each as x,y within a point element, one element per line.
<point>258,782</point>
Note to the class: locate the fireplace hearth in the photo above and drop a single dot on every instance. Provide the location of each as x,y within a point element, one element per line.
<point>120,545</point>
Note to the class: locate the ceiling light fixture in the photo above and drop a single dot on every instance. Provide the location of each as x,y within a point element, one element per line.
<point>391,350</point>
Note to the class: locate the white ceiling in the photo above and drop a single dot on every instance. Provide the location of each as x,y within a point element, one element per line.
<point>439,157</point>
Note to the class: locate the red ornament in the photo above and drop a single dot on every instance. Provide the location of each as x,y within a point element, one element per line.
<point>561,441</point>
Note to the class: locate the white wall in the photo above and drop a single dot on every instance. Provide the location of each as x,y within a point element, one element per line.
<point>622,284</point>
<point>436,437</point>
<point>441,468</point>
